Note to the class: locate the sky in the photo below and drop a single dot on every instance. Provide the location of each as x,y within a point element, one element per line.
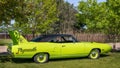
<point>75,2</point>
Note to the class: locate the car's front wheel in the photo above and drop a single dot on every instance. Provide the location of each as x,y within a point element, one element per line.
<point>41,58</point>
<point>94,54</point>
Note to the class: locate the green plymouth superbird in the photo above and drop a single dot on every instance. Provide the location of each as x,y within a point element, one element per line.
<point>46,47</point>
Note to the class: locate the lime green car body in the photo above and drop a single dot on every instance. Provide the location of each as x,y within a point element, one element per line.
<point>21,48</point>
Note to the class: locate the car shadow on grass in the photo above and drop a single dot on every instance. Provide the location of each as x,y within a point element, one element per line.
<point>67,59</point>
<point>104,55</point>
<point>77,58</point>
<point>22,60</point>
<point>17,60</point>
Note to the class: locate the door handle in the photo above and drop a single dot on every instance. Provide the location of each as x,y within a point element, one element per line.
<point>63,45</point>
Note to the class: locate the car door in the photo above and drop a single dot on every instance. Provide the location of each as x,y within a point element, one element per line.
<point>70,48</point>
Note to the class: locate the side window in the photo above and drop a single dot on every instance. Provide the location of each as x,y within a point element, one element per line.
<point>63,39</point>
<point>46,39</point>
<point>68,39</point>
<point>57,39</point>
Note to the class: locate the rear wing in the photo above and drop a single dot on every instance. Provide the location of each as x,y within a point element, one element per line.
<point>17,37</point>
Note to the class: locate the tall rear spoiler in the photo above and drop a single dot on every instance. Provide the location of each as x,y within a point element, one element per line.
<point>17,37</point>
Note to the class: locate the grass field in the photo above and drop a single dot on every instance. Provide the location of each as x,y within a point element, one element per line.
<point>112,60</point>
<point>5,42</point>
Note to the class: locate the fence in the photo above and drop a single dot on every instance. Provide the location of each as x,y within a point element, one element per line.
<point>4,36</point>
<point>92,37</point>
<point>80,36</point>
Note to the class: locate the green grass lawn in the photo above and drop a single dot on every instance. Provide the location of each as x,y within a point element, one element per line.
<point>5,42</point>
<point>112,60</point>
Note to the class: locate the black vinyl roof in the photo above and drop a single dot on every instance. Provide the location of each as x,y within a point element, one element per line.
<point>57,35</point>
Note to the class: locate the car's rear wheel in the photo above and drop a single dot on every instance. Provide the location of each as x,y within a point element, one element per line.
<point>94,54</point>
<point>41,58</point>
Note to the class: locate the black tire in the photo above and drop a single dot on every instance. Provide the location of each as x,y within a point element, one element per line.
<point>41,58</point>
<point>94,54</point>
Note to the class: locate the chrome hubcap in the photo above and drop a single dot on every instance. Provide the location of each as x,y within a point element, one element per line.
<point>41,57</point>
<point>93,54</point>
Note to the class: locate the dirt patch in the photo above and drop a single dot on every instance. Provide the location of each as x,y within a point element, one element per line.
<point>3,49</point>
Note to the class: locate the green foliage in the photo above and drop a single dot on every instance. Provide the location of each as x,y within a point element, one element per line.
<point>67,17</point>
<point>40,14</point>
<point>32,16</point>
<point>113,16</point>
<point>29,15</point>
<point>100,17</point>
<point>9,9</point>
<point>92,14</point>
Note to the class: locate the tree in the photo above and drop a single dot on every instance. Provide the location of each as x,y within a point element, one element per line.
<point>113,17</point>
<point>39,15</point>
<point>101,17</point>
<point>9,9</point>
<point>66,15</point>
<point>113,27</point>
<point>93,14</point>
